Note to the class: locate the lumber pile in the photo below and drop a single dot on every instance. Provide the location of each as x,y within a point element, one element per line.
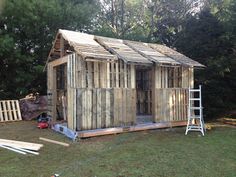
<point>229,121</point>
<point>20,146</point>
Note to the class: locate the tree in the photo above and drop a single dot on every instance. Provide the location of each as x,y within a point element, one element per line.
<point>27,29</point>
<point>204,39</point>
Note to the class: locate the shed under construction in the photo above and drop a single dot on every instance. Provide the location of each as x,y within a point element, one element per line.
<point>102,85</point>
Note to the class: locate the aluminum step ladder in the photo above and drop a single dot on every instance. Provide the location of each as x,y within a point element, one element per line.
<point>195,111</point>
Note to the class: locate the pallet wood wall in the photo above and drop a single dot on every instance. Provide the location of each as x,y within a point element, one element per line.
<point>104,108</point>
<point>171,104</point>
<point>10,110</point>
<point>93,83</point>
<point>173,77</point>
<point>168,77</point>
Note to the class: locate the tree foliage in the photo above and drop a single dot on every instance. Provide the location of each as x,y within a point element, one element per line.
<point>27,30</point>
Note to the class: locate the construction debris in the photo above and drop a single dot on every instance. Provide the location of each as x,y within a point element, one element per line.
<point>33,106</point>
<point>55,142</point>
<point>20,146</point>
<point>229,121</point>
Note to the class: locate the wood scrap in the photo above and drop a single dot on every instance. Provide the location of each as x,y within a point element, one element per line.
<point>26,151</point>
<point>12,149</point>
<point>53,141</point>
<point>21,144</point>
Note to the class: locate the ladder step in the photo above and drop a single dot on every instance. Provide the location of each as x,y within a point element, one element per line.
<point>194,129</point>
<point>194,90</point>
<point>194,126</point>
<point>197,99</point>
<point>195,117</point>
<point>196,107</point>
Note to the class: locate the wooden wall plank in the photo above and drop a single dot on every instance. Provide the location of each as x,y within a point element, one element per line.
<point>103,102</point>
<point>108,108</point>
<point>124,106</point>
<point>133,77</point>
<point>96,75</point>
<point>89,75</point>
<point>79,110</point>
<point>108,84</point>
<point>125,76</point>
<point>99,108</point>
<point>116,107</point>
<point>117,75</point>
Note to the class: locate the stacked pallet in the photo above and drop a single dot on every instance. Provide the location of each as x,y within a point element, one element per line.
<point>10,110</point>
<point>20,146</point>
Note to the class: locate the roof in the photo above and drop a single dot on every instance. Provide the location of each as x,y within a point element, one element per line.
<point>150,53</point>
<point>104,48</point>
<point>85,45</point>
<point>123,51</point>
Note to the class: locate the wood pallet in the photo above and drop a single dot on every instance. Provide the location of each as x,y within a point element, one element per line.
<point>10,111</point>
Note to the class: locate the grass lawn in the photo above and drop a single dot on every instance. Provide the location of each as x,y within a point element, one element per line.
<point>148,153</point>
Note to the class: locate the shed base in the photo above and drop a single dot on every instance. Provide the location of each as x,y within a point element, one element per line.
<point>139,127</point>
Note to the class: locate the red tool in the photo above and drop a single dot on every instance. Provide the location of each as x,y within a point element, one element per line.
<point>42,125</point>
<point>43,122</point>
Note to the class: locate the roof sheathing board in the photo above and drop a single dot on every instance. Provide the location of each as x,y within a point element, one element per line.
<point>150,53</point>
<point>124,52</point>
<point>175,55</point>
<point>86,46</point>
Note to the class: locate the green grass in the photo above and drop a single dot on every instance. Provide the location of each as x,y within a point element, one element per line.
<point>147,153</point>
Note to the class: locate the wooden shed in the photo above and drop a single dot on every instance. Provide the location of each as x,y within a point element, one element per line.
<point>101,85</point>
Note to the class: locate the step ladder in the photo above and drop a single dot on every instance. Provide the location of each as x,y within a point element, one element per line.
<point>195,112</point>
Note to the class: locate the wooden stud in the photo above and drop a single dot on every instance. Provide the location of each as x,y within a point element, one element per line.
<point>117,74</point>
<point>132,77</point>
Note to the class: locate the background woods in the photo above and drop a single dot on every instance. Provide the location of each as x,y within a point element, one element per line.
<point>203,30</point>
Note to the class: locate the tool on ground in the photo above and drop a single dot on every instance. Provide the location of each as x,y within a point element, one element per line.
<point>43,121</point>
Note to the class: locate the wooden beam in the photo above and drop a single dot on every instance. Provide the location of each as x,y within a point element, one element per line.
<point>59,61</point>
<point>141,127</point>
<point>53,141</point>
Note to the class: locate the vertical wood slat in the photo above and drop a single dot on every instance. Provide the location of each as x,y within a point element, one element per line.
<point>112,75</point>
<point>132,77</point>
<point>121,74</point>
<point>18,110</point>
<point>108,107</point>
<point>108,75</point>
<point>89,75</point>
<point>99,107</point>
<point>79,110</point>
<point>117,74</point>
<point>125,75</point>
<point>96,75</point>
<point>94,109</point>
<point>9,110</point>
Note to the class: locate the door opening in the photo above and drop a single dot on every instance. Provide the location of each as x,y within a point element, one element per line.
<point>144,94</point>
